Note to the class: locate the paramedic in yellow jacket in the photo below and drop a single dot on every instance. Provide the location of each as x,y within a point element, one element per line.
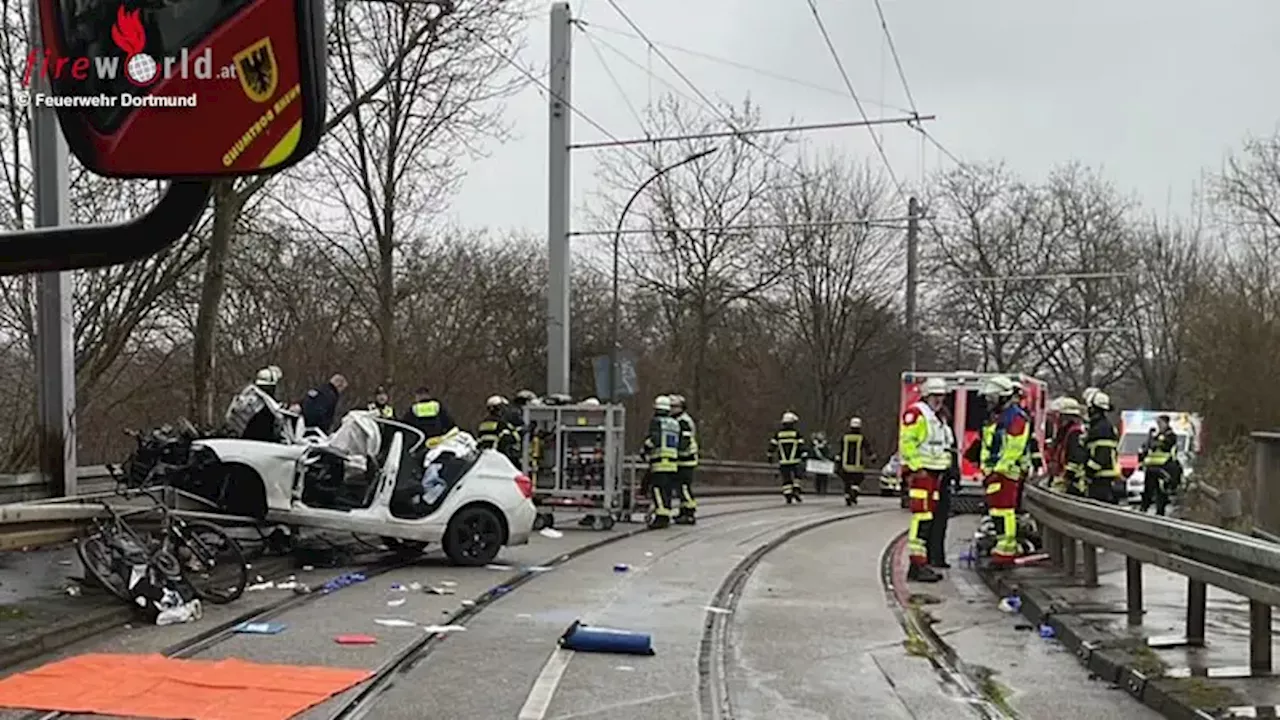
<point>1004,448</point>
<point>923,446</point>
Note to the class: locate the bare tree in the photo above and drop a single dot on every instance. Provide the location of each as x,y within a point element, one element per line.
<point>1094,239</point>
<point>843,279</point>
<point>990,229</point>
<point>692,258</point>
<point>231,197</point>
<point>1170,275</point>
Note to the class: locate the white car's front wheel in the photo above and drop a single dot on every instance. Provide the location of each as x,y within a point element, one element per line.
<point>474,536</point>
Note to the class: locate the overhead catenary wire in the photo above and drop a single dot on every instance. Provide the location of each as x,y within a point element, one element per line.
<point>844,74</point>
<point>531,77</point>
<point>626,99</point>
<point>745,67</point>
<point>897,61</point>
<point>707,102</point>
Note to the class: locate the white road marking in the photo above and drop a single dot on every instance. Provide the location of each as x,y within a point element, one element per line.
<point>544,688</point>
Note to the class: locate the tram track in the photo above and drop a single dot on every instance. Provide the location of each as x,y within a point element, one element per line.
<point>714,700</point>
<point>409,655</point>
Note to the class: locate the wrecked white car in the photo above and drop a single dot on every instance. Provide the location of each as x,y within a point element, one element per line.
<point>374,476</point>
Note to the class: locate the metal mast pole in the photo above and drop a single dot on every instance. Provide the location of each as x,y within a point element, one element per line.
<point>55,350</point>
<point>558,194</point>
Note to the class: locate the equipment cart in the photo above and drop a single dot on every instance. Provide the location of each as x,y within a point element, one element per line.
<point>574,454</point>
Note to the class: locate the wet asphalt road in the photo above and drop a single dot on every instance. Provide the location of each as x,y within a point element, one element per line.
<point>813,635</point>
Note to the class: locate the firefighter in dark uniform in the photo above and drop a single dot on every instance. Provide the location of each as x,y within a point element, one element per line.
<point>382,403</point>
<point>1102,468</point>
<point>496,433</point>
<point>320,406</point>
<point>1158,464</point>
<point>430,416</point>
<point>788,448</point>
<point>854,455</point>
<point>662,451</point>
<point>687,463</point>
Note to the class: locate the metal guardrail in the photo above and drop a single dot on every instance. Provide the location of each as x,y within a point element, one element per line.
<point>27,487</point>
<point>1205,555</point>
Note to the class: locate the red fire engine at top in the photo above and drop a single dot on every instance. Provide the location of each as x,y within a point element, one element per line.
<point>968,411</point>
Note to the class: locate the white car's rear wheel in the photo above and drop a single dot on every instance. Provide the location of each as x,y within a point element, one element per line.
<point>474,536</point>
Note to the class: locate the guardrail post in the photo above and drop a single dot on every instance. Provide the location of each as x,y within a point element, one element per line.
<point>1259,638</point>
<point>1053,545</point>
<point>1133,588</point>
<point>1069,555</point>
<point>1090,564</point>
<point>1266,481</point>
<point>1196,600</point>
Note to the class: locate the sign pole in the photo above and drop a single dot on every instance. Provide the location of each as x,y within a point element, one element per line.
<point>55,349</point>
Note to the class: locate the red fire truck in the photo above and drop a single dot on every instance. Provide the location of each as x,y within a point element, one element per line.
<point>968,411</point>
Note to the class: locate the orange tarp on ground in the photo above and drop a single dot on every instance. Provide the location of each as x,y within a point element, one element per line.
<point>155,686</point>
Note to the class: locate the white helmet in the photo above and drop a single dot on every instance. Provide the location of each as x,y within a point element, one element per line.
<point>495,401</point>
<point>1069,406</point>
<point>855,423</point>
<point>790,417</point>
<point>999,386</point>
<point>1088,394</point>
<point>1055,405</point>
<point>1100,400</point>
<point>933,386</point>
<point>269,375</point>
<point>677,400</point>
<point>591,401</point>
<point>662,402</point>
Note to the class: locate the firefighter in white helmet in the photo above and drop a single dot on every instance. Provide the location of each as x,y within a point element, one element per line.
<point>1102,469</point>
<point>687,462</point>
<point>788,448</point>
<point>924,447</point>
<point>662,450</point>
<point>495,432</point>
<point>1003,461</point>
<point>1067,457</point>
<point>854,454</point>
<point>254,414</point>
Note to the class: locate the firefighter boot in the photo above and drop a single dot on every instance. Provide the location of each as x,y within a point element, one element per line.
<point>850,494</point>
<point>686,517</point>
<point>659,521</point>
<point>923,573</point>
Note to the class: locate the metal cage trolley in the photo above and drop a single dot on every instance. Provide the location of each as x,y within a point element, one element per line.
<point>574,454</point>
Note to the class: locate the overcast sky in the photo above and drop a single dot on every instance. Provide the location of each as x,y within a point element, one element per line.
<point>1152,91</point>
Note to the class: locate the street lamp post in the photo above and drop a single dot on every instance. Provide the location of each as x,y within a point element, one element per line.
<point>617,241</point>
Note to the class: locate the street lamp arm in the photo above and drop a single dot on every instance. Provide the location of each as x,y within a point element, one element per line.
<point>617,242</point>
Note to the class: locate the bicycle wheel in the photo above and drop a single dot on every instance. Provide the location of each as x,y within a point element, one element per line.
<point>211,561</point>
<point>99,559</point>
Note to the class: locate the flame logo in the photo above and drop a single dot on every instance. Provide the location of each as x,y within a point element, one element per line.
<point>127,32</point>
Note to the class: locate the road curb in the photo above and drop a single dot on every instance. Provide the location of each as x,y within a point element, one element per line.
<point>1092,650</point>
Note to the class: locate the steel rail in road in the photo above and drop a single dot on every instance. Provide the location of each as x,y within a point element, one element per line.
<point>1205,555</point>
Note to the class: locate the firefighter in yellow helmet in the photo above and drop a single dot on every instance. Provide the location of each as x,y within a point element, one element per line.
<point>854,453</point>
<point>1004,465</point>
<point>662,451</point>
<point>788,448</point>
<point>924,446</point>
<point>687,462</point>
<point>495,433</point>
